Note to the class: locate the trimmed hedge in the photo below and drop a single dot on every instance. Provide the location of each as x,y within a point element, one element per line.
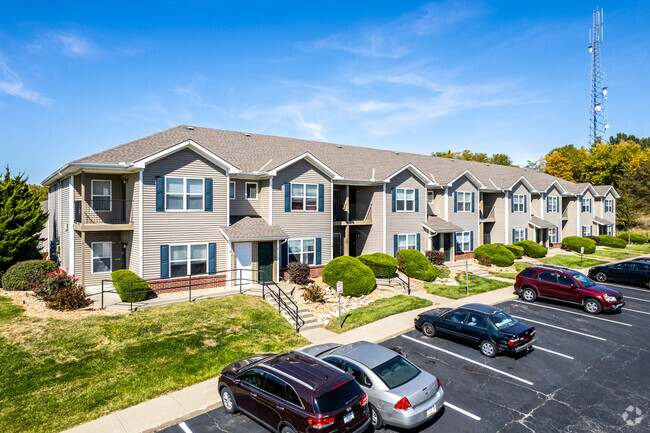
<point>573,243</point>
<point>517,250</point>
<point>532,249</point>
<point>358,279</point>
<point>140,287</point>
<point>414,264</point>
<point>594,238</point>
<point>382,265</point>
<point>499,254</point>
<point>611,241</point>
<point>634,237</point>
<point>28,274</point>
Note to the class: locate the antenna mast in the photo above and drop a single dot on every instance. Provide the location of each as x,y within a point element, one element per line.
<point>597,122</point>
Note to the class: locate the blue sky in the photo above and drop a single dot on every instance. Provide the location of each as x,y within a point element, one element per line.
<point>501,76</point>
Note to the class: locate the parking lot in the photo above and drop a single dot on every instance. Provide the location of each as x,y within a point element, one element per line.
<point>586,374</point>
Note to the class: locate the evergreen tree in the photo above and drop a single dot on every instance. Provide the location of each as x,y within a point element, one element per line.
<point>21,221</point>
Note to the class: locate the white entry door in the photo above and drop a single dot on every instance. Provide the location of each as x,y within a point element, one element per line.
<point>244,261</point>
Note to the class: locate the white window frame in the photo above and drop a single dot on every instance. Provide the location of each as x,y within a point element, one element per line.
<point>519,235</point>
<point>188,249</point>
<point>431,196</point>
<point>586,231</point>
<point>232,188</point>
<point>609,206</point>
<point>554,203</point>
<point>518,203</point>
<point>610,229</point>
<point>407,245</point>
<point>110,195</point>
<point>552,235</point>
<point>110,257</point>
<point>405,200</point>
<point>185,194</point>
<point>464,241</point>
<point>302,252</point>
<point>464,204</point>
<point>584,203</point>
<point>303,197</point>
<point>257,191</point>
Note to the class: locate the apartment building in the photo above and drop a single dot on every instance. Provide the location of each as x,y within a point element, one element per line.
<point>201,202</point>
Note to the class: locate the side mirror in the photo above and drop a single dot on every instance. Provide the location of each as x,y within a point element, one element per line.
<point>573,286</point>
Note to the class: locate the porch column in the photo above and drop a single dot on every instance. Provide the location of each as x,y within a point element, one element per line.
<point>346,209</point>
<point>83,258</point>
<point>346,242</point>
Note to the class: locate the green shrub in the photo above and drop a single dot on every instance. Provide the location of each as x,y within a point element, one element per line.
<point>70,297</point>
<point>611,241</point>
<point>54,281</point>
<point>484,261</point>
<point>313,293</point>
<point>122,279</point>
<point>573,243</point>
<point>499,254</point>
<point>382,265</point>
<point>634,237</point>
<point>532,249</point>
<point>28,274</point>
<point>517,250</point>
<point>443,271</point>
<point>594,238</point>
<point>299,273</point>
<point>414,264</point>
<point>358,279</point>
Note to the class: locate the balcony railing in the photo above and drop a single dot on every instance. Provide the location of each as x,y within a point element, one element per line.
<point>102,211</point>
<point>356,212</point>
<point>488,213</point>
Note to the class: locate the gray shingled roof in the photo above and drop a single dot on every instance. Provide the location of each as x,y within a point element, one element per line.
<point>542,224</point>
<point>249,228</point>
<point>252,153</point>
<point>602,221</point>
<point>439,225</point>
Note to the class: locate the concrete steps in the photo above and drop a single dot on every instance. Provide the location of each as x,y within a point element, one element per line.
<point>311,321</point>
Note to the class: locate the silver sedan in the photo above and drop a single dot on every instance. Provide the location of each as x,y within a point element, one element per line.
<point>400,394</point>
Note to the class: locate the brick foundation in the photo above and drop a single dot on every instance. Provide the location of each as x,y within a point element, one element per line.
<point>174,285</point>
<point>314,271</point>
<point>463,256</point>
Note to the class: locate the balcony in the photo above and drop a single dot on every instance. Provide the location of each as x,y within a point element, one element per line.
<point>353,214</point>
<point>103,215</point>
<point>488,214</point>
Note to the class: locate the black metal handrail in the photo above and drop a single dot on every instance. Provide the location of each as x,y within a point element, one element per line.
<point>278,297</point>
<point>102,211</point>
<point>381,270</point>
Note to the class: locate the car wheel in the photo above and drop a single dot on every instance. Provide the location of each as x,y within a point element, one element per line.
<point>375,418</point>
<point>529,295</point>
<point>592,306</point>
<point>428,329</point>
<point>228,400</point>
<point>287,429</point>
<point>601,277</point>
<point>488,349</point>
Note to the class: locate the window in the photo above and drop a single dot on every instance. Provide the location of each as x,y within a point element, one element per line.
<point>502,320</point>
<point>396,372</point>
<point>463,202</point>
<point>183,262</point>
<point>553,204</point>
<point>183,194</point>
<point>564,280</point>
<point>232,191</point>
<point>586,205</point>
<point>254,378</point>
<point>100,199</point>
<point>456,316</point>
<point>304,196</point>
<point>102,256</point>
<point>275,386</point>
<point>476,321</point>
<point>550,277</point>
<point>251,190</point>
<point>356,372</point>
<point>519,235</point>
<point>406,242</point>
<point>404,200</point>
<point>430,196</point>
<point>610,230</point>
<point>518,203</point>
<point>302,250</point>
<point>552,235</point>
<point>586,231</point>
<point>464,241</point>
<point>609,205</point>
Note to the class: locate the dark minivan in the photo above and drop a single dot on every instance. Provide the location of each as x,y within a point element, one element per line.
<point>294,392</point>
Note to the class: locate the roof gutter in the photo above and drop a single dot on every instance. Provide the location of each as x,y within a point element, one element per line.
<point>74,166</point>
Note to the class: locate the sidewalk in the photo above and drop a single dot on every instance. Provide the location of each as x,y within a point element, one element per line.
<point>172,408</point>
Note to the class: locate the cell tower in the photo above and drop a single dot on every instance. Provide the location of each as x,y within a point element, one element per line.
<point>597,122</point>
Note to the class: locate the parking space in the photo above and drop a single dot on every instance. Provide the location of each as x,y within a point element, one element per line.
<point>587,373</point>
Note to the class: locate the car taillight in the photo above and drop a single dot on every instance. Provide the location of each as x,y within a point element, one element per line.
<point>319,423</point>
<point>403,404</point>
<point>513,341</point>
<point>438,380</point>
<point>364,400</point>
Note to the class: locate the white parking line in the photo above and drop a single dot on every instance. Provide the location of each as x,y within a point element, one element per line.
<point>637,299</point>
<point>554,353</point>
<point>571,312</point>
<point>636,311</point>
<point>558,327</point>
<point>463,411</point>
<point>468,360</point>
<point>185,428</point>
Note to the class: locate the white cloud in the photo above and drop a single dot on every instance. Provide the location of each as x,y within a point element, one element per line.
<point>74,45</point>
<point>12,84</point>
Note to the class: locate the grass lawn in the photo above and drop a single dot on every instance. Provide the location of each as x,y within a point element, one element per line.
<point>378,310</point>
<point>476,285</point>
<point>571,261</point>
<point>520,266</point>
<point>618,254</point>
<point>59,373</point>
<point>643,249</point>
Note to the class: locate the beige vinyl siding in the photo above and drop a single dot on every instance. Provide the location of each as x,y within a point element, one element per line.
<point>65,225</point>
<point>402,223</point>
<point>183,227</point>
<point>569,227</point>
<point>535,205</point>
<point>304,224</point>
<point>609,216</point>
<point>587,218</point>
<point>438,208</point>
<point>554,217</point>
<point>374,233</point>
<point>116,238</point>
<point>468,221</point>
<point>133,250</point>
<point>241,206</point>
<point>519,220</point>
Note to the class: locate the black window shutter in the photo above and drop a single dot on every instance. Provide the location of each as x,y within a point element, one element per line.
<point>418,241</point>
<point>548,204</point>
<point>321,197</point>
<point>417,199</point>
<point>455,201</point>
<point>526,233</point>
<point>395,245</point>
<point>318,251</point>
<point>212,258</point>
<point>392,190</point>
<point>160,194</point>
<point>472,202</point>
<point>525,205</point>
<point>471,240</point>
<point>512,202</point>
<point>164,261</point>
<point>513,236</point>
<point>208,194</point>
<point>287,198</point>
<point>284,250</point>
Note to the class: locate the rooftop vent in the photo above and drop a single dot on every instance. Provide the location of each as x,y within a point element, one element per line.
<point>247,134</point>
<point>191,128</point>
<point>122,163</point>
<point>396,153</point>
<point>339,146</point>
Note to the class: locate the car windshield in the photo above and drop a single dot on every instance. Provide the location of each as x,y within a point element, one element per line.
<point>337,398</point>
<point>502,320</point>
<point>583,280</point>
<point>396,372</point>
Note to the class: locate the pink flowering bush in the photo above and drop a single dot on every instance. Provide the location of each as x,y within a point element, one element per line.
<point>62,291</point>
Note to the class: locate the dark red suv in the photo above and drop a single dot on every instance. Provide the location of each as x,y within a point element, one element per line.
<point>294,392</point>
<point>567,285</point>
